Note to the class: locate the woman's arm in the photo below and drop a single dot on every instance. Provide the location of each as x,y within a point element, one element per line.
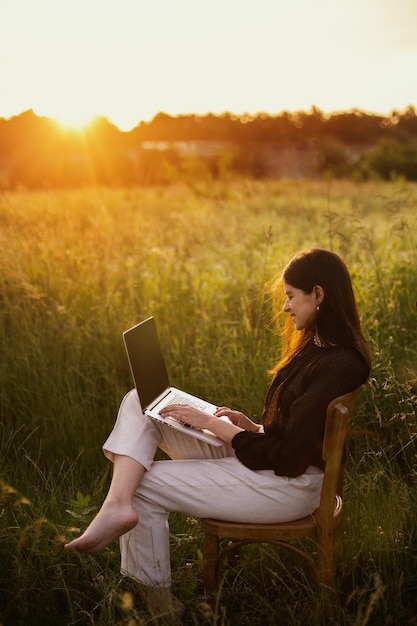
<point>224,429</point>
<point>238,419</point>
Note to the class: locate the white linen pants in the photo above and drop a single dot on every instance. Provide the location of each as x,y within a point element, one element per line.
<point>199,480</point>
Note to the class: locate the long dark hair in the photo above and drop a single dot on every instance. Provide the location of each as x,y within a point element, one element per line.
<point>337,321</point>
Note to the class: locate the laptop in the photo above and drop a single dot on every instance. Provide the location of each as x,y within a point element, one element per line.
<point>152,384</point>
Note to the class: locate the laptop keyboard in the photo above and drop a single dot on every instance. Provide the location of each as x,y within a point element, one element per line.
<point>178,398</point>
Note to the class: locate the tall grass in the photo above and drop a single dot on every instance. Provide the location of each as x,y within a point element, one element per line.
<point>79,267</point>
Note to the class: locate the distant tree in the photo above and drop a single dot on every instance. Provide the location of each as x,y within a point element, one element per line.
<point>354,127</point>
<point>393,157</point>
<point>403,125</point>
<point>332,157</point>
<point>310,124</point>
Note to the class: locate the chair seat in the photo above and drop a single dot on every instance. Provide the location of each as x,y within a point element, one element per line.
<point>305,527</point>
<point>297,529</point>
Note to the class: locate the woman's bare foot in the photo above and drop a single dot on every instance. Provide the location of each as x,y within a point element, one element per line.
<point>112,521</point>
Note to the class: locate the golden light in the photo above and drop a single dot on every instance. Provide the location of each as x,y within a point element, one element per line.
<point>74,120</point>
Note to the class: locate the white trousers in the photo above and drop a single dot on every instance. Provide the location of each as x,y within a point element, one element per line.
<point>199,480</point>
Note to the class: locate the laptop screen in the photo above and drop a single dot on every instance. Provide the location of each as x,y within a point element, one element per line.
<point>146,361</point>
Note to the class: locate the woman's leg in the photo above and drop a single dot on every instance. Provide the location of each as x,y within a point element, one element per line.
<point>117,515</point>
<point>220,488</point>
<point>132,446</point>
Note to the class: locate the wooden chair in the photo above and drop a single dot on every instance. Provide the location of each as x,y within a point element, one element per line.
<point>320,525</point>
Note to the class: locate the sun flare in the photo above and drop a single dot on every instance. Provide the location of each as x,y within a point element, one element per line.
<point>74,121</point>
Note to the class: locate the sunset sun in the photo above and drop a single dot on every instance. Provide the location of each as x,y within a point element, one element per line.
<point>74,120</point>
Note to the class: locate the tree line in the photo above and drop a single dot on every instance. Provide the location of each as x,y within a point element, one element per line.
<point>35,152</point>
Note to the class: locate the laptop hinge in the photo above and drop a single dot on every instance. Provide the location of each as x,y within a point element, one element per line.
<point>158,399</point>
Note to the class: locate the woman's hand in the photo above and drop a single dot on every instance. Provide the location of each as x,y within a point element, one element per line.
<point>225,429</point>
<point>237,418</point>
<point>187,414</point>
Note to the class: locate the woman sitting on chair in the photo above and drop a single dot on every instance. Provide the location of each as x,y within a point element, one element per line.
<point>265,473</point>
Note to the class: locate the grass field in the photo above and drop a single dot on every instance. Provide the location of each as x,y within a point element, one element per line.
<point>78,267</point>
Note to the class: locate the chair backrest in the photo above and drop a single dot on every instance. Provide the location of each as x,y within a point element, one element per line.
<point>336,436</point>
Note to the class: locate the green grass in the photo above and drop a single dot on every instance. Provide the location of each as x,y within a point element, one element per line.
<point>78,267</point>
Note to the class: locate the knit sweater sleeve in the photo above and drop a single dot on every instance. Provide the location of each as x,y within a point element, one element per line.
<point>290,449</point>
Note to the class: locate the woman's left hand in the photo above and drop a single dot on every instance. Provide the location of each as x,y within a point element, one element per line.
<point>188,414</point>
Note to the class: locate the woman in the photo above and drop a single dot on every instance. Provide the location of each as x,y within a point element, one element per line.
<point>262,474</point>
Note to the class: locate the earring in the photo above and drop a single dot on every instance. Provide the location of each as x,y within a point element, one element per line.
<point>318,308</point>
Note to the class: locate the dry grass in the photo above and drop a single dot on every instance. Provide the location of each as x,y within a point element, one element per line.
<point>78,267</point>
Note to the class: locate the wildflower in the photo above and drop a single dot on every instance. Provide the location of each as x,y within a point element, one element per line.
<point>126,602</point>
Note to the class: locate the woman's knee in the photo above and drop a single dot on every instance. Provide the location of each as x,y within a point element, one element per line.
<point>130,403</point>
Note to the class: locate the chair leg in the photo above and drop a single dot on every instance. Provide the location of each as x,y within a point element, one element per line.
<point>326,567</point>
<point>210,563</point>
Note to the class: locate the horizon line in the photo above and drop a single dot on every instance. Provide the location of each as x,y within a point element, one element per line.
<point>245,114</point>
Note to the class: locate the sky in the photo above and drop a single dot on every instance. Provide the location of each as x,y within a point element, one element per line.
<point>130,59</point>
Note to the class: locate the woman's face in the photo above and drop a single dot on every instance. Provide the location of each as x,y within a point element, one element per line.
<point>301,306</point>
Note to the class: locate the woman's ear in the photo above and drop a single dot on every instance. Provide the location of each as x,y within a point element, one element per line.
<point>319,293</point>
